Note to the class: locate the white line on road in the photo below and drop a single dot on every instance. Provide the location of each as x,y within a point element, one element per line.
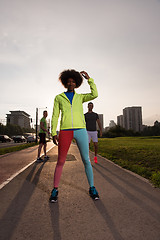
<point>17,173</point>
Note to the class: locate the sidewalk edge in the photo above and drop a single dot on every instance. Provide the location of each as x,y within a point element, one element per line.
<point>126,170</point>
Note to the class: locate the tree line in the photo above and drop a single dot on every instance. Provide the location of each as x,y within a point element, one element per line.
<point>13,130</point>
<point>119,131</point>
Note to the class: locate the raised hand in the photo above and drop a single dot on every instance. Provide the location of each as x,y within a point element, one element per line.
<point>85,75</point>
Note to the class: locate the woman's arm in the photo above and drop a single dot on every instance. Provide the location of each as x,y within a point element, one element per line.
<point>94,93</point>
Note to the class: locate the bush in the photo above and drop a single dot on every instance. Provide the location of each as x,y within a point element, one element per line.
<point>118,131</point>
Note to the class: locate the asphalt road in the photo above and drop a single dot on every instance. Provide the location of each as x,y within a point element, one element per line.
<point>128,209</point>
<point>13,162</point>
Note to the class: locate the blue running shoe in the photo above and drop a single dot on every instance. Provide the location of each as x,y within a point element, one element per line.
<point>93,193</point>
<point>46,158</point>
<point>39,160</point>
<point>54,196</point>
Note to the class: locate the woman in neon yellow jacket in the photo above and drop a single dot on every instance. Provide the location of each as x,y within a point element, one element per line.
<point>72,125</point>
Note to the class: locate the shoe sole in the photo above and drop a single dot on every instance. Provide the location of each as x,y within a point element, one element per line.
<point>96,198</point>
<point>53,201</point>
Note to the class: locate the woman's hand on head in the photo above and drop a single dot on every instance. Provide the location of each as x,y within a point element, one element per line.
<point>55,140</point>
<point>85,75</point>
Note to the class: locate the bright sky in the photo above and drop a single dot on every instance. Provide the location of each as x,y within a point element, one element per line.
<point>116,41</point>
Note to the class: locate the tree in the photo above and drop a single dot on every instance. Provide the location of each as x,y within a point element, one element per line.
<point>12,130</point>
<point>119,131</point>
<point>152,130</point>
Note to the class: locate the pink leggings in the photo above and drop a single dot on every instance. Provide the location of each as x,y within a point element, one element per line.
<point>65,138</point>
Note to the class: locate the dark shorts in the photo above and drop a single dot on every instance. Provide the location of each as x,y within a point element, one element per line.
<point>42,138</point>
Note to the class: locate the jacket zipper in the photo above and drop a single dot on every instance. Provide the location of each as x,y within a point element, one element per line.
<point>72,115</point>
<point>72,112</point>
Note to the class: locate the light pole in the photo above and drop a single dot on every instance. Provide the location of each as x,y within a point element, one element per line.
<point>36,125</point>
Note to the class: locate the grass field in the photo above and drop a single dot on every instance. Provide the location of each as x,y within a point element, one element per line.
<point>15,148</point>
<point>138,154</point>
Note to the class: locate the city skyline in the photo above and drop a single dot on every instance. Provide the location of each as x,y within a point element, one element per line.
<point>116,42</point>
<point>119,120</point>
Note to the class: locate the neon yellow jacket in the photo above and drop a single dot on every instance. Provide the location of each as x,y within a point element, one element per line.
<point>72,116</point>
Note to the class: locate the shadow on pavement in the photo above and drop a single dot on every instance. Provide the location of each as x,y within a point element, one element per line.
<point>74,186</point>
<point>130,196</point>
<point>12,216</point>
<point>54,209</point>
<point>103,211</point>
<point>135,187</point>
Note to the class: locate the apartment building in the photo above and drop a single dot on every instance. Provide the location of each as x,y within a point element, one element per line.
<point>19,118</point>
<point>120,121</point>
<point>132,118</point>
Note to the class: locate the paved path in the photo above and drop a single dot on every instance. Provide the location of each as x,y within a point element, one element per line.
<point>128,209</point>
<point>13,162</point>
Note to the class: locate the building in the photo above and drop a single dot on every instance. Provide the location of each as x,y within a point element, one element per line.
<point>112,124</point>
<point>101,121</point>
<point>19,118</point>
<point>132,118</point>
<point>120,120</point>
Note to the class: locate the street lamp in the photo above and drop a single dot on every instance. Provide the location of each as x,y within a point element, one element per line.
<point>37,123</point>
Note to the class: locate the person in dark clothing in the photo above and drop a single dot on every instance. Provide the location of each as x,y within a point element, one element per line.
<point>91,119</point>
<point>42,135</point>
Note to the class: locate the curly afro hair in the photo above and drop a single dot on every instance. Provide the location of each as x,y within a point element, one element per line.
<point>70,73</point>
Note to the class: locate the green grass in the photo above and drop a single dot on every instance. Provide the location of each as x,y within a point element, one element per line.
<point>138,154</point>
<point>16,148</point>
